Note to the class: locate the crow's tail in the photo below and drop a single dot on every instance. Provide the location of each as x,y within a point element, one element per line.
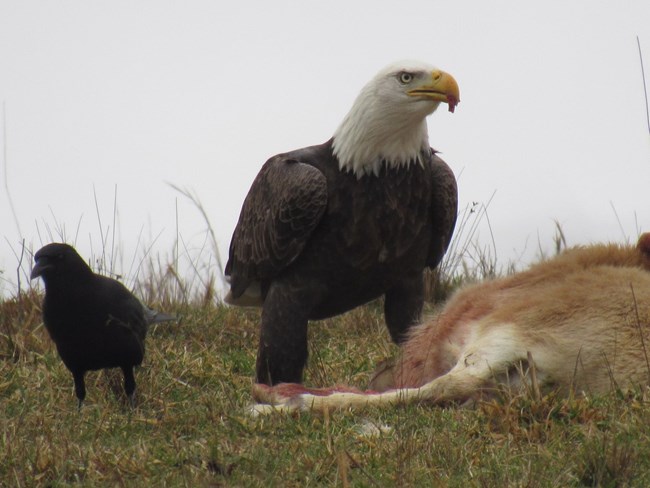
<point>154,317</point>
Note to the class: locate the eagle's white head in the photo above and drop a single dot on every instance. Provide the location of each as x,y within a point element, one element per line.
<point>387,121</point>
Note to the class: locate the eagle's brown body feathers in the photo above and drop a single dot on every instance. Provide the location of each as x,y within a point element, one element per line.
<point>321,241</point>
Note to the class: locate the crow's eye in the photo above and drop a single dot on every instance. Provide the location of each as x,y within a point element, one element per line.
<point>405,77</point>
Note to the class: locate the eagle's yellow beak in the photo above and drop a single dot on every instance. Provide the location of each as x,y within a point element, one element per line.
<point>442,88</point>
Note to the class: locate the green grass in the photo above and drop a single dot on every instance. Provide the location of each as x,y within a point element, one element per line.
<point>191,426</point>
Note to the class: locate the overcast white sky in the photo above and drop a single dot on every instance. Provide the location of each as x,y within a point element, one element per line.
<point>130,95</point>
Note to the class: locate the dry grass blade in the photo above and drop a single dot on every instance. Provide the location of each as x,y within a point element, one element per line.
<point>197,203</point>
<point>645,86</point>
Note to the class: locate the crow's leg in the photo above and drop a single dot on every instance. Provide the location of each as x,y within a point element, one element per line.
<point>129,384</point>
<point>282,352</point>
<point>403,307</point>
<point>79,386</point>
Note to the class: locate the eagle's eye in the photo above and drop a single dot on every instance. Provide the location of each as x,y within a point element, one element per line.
<point>405,77</point>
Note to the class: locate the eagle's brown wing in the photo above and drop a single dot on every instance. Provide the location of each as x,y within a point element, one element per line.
<point>444,210</point>
<point>283,206</point>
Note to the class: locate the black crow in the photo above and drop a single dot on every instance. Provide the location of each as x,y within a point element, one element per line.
<point>94,321</point>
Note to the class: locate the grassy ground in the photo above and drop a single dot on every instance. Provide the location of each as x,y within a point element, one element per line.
<point>191,427</point>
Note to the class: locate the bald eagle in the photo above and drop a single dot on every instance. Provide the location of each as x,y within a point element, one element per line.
<point>330,227</point>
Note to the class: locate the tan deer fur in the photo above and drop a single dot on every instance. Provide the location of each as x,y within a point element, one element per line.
<point>582,318</point>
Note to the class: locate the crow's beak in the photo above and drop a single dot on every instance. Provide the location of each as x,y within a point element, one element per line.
<point>38,269</point>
